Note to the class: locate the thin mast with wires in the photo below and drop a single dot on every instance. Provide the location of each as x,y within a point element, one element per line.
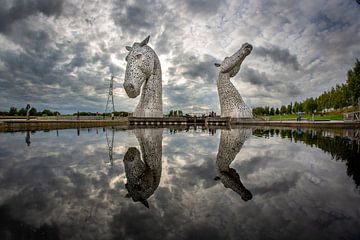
<point>110,96</point>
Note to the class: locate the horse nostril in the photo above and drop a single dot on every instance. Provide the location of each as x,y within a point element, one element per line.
<point>129,86</point>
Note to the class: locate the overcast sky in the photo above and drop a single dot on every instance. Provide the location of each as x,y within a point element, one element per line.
<point>59,54</point>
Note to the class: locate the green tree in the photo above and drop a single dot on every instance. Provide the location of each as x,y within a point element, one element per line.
<point>266,110</point>
<point>47,112</point>
<point>13,111</point>
<point>283,109</point>
<point>272,111</point>
<point>258,111</point>
<point>353,81</point>
<point>310,105</point>
<point>277,111</point>
<point>22,112</point>
<point>296,107</point>
<point>33,112</point>
<point>289,109</point>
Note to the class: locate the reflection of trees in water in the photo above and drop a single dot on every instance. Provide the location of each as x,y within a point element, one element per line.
<point>143,176</point>
<point>231,142</point>
<point>340,148</point>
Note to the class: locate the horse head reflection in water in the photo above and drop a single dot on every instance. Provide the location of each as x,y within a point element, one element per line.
<point>143,176</point>
<point>231,142</point>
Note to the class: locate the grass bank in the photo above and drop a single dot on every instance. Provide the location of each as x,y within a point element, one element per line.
<point>317,117</point>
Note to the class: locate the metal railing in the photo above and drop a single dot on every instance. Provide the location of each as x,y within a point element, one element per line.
<point>352,116</point>
<point>79,118</point>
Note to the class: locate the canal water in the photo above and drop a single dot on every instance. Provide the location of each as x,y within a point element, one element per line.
<point>196,183</point>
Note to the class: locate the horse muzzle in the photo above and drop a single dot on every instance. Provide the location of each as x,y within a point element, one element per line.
<point>131,90</point>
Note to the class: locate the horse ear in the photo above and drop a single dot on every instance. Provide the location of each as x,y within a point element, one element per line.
<point>145,41</point>
<point>217,64</point>
<point>128,48</point>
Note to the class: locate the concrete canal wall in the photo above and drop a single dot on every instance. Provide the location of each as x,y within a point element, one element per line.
<point>53,123</point>
<point>46,124</point>
<point>308,124</point>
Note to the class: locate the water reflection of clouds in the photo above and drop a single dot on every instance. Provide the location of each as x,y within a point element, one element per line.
<point>298,191</point>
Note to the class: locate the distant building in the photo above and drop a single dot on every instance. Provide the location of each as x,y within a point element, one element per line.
<point>196,114</point>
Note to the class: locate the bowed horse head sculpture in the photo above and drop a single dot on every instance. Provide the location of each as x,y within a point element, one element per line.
<point>231,102</point>
<point>143,70</point>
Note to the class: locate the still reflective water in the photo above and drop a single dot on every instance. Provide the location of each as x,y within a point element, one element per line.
<point>248,183</point>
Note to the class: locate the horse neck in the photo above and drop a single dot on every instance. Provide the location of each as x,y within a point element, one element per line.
<point>152,89</point>
<point>225,86</point>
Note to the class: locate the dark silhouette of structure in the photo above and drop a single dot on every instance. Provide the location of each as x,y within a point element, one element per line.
<point>231,142</point>
<point>143,175</point>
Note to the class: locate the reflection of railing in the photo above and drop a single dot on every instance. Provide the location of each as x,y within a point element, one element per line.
<point>353,134</point>
<point>80,118</point>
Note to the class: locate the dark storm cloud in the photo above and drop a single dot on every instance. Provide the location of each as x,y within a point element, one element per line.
<point>19,10</point>
<point>163,45</point>
<point>203,7</point>
<point>140,17</point>
<point>47,71</point>
<point>292,90</point>
<point>277,85</point>
<point>255,77</point>
<point>278,55</point>
<point>34,63</point>
<point>200,75</point>
<point>177,94</point>
<point>200,68</point>
<point>59,52</point>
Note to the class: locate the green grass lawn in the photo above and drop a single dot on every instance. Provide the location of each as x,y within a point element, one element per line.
<point>329,116</point>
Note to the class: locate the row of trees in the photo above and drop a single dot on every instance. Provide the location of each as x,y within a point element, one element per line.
<point>13,111</point>
<point>338,97</point>
<point>116,114</point>
<point>175,113</point>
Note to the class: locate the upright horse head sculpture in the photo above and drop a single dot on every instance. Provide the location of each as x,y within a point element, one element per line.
<point>231,103</point>
<point>143,69</point>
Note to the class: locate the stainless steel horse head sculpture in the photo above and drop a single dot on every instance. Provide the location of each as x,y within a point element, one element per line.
<point>143,70</point>
<point>231,103</point>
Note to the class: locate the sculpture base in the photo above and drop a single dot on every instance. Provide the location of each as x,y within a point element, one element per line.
<point>148,113</point>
